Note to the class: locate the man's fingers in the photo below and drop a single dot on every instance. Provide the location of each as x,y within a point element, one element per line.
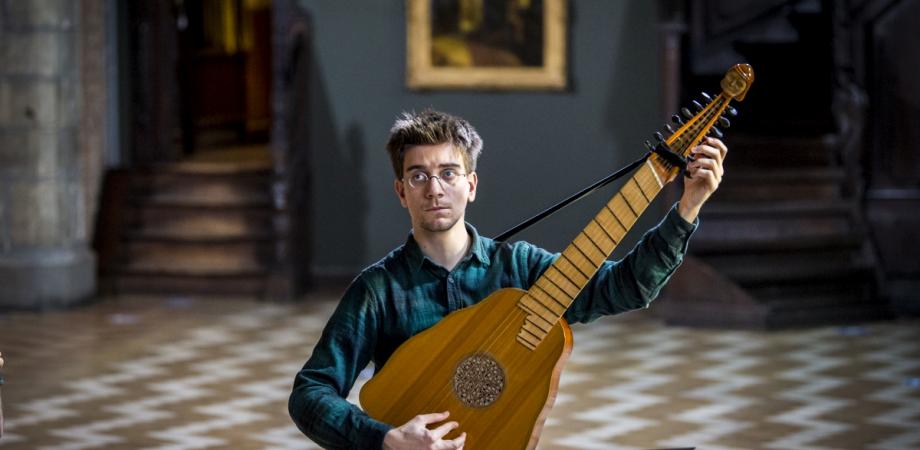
<point>426,419</point>
<point>708,176</point>
<point>697,173</point>
<point>453,444</point>
<point>709,164</point>
<point>442,430</point>
<point>706,151</point>
<point>710,148</point>
<point>717,143</point>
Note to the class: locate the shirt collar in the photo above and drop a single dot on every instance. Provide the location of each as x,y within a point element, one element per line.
<point>478,250</point>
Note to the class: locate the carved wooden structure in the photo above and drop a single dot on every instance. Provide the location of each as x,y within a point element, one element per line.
<point>812,224</point>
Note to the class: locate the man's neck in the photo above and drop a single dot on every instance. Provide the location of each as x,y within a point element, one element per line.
<point>445,248</point>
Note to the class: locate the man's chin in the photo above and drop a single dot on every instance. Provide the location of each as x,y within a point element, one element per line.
<point>438,226</point>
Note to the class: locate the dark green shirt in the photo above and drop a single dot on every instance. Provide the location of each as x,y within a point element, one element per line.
<point>406,293</point>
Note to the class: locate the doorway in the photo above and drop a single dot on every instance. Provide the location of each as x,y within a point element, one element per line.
<point>224,74</point>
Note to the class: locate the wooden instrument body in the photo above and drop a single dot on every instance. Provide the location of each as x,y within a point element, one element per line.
<point>418,377</point>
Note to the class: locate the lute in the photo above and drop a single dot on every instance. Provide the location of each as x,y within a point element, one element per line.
<point>495,365</point>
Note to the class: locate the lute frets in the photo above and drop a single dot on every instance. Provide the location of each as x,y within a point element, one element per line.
<point>552,294</point>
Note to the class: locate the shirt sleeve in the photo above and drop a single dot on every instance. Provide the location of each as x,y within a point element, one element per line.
<point>636,280</point>
<point>317,403</point>
<point>633,282</point>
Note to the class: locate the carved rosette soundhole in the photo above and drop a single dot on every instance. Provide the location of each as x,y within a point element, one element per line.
<point>478,381</point>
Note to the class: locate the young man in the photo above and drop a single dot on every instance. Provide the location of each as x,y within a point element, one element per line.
<point>446,265</point>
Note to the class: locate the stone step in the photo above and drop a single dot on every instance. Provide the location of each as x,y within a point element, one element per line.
<point>204,192</point>
<point>206,259</point>
<point>734,230</point>
<point>788,268</point>
<point>781,184</point>
<point>198,168</point>
<point>784,208</point>
<point>704,244</point>
<point>759,151</point>
<point>190,224</point>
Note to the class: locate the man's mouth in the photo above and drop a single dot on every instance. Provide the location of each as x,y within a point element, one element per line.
<point>438,208</point>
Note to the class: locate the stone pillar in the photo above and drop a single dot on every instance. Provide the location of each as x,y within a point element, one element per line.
<point>45,259</point>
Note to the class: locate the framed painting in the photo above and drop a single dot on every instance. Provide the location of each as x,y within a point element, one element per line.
<point>486,44</point>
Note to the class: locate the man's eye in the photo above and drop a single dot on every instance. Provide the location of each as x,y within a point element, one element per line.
<point>448,174</point>
<point>419,176</point>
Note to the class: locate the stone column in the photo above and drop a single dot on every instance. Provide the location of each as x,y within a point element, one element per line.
<point>45,259</point>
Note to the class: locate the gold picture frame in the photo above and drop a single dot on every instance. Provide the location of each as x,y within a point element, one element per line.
<point>461,44</point>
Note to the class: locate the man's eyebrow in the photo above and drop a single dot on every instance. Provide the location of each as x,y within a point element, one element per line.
<point>442,166</point>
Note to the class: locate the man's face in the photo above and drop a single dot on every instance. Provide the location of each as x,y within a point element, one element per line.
<point>435,206</point>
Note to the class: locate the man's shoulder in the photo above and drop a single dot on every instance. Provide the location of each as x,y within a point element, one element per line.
<point>521,248</point>
<point>384,268</point>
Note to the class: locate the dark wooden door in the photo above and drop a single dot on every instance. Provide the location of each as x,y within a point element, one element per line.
<point>150,83</point>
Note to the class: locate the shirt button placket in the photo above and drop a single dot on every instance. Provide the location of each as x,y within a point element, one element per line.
<point>452,303</point>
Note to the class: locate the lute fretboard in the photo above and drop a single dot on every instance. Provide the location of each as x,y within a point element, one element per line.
<point>552,294</point>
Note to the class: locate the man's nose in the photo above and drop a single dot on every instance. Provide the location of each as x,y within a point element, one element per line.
<point>433,187</point>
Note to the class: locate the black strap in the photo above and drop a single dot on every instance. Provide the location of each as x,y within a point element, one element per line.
<point>578,196</point>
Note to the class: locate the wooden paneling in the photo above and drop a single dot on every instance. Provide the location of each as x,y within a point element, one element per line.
<point>885,43</point>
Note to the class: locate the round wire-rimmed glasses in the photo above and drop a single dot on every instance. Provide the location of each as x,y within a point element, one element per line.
<point>447,177</point>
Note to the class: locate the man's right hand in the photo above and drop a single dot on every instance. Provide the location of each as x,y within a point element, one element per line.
<point>416,435</point>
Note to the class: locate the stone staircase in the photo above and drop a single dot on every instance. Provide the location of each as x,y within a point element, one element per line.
<point>784,241</point>
<point>783,232</point>
<point>191,228</point>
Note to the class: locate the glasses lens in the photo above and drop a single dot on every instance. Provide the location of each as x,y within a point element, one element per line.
<point>417,179</point>
<point>449,176</point>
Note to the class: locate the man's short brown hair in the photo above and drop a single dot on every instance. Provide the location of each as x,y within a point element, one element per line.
<point>432,127</point>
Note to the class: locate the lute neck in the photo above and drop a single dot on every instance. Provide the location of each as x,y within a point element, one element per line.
<point>552,294</point>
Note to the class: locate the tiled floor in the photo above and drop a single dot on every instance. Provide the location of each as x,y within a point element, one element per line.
<point>186,373</point>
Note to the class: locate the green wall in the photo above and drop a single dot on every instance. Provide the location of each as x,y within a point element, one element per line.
<point>539,146</point>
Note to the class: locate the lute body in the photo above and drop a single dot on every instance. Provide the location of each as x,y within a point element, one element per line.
<point>495,365</point>
<point>530,378</point>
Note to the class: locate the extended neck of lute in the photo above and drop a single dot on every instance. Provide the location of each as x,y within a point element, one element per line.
<point>552,294</point>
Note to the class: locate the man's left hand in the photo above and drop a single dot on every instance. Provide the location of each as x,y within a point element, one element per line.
<point>702,177</point>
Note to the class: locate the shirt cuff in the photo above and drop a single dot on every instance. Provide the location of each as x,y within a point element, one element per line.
<point>675,230</point>
<point>373,434</point>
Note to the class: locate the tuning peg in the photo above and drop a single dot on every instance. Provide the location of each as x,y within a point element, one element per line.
<point>697,105</point>
<point>724,122</point>
<point>706,96</point>
<point>676,119</point>
<point>716,132</point>
<point>667,126</point>
<point>649,145</point>
<point>659,136</point>
<point>732,111</point>
<point>686,112</point>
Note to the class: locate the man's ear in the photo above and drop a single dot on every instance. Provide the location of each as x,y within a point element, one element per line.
<point>400,189</point>
<point>473,179</point>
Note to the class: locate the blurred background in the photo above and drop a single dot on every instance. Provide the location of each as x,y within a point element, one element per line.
<point>186,186</point>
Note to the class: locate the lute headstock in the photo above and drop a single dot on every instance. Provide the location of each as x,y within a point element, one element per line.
<point>672,150</point>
